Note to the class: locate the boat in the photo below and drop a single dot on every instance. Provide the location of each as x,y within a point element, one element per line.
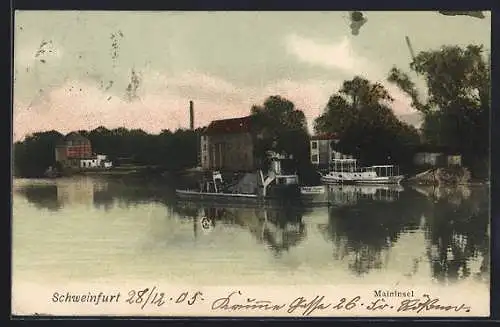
<point>257,187</point>
<point>276,187</point>
<point>312,190</point>
<point>347,171</point>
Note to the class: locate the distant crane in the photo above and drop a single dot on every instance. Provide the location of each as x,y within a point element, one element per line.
<point>408,43</point>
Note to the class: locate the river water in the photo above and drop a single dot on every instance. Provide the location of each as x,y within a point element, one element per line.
<point>90,229</point>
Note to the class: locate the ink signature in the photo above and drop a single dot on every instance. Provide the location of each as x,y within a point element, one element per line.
<point>429,304</point>
<point>224,303</point>
<point>236,301</point>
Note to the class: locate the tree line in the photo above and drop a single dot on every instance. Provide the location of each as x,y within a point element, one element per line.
<point>170,150</point>
<point>455,115</point>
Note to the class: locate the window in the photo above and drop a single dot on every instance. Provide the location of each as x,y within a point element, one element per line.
<point>314,144</point>
<point>204,147</point>
<point>314,158</point>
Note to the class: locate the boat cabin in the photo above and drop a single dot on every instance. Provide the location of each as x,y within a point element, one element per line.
<point>282,167</point>
<point>383,170</point>
<point>345,165</point>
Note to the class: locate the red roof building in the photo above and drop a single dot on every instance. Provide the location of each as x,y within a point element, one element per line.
<point>228,145</point>
<point>72,148</point>
<point>229,126</point>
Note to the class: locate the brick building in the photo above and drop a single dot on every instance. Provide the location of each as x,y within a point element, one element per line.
<point>228,144</point>
<point>71,149</point>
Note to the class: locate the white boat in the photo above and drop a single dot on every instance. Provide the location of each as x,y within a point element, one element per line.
<point>312,190</point>
<point>345,171</point>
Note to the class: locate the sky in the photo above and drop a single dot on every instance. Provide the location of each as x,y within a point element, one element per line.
<point>72,69</point>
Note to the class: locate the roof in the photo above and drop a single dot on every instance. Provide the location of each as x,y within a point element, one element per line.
<point>325,136</point>
<point>229,126</point>
<point>73,136</point>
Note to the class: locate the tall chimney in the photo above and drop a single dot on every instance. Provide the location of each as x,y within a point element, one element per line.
<point>191,115</point>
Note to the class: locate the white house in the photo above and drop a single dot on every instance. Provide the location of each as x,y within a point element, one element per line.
<point>88,163</point>
<point>96,161</point>
<point>322,152</point>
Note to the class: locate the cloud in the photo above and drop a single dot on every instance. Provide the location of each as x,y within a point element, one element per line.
<point>162,103</point>
<point>84,105</point>
<point>342,57</point>
<point>163,99</point>
<point>339,55</point>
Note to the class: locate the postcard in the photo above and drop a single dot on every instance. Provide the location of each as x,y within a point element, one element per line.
<point>240,164</point>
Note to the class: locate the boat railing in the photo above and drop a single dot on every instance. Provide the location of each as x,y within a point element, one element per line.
<point>344,165</point>
<point>385,170</point>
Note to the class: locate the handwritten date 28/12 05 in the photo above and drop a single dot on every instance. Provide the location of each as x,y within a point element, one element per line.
<point>153,296</point>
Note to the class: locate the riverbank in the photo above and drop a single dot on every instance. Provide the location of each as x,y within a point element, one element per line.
<point>119,170</point>
<point>448,176</point>
<point>432,177</point>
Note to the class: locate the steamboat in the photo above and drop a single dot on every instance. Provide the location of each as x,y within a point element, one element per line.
<point>347,171</point>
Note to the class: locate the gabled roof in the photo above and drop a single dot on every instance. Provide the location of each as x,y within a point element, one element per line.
<point>73,136</point>
<point>229,126</point>
<point>325,136</point>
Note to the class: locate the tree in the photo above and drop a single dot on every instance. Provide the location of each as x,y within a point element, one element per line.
<point>456,111</point>
<point>279,124</point>
<point>359,112</point>
<point>278,113</point>
<point>35,154</point>
<point>170,150</point>
<point>281,127</point>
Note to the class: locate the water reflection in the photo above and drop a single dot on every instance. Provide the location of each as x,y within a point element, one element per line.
<point>344,195</point>
<point>42,196</point>
<point>457,227</point>
<point>363,233</point>
<point>102,193</point>
<point>279,229</point>
<point>450,227</point>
